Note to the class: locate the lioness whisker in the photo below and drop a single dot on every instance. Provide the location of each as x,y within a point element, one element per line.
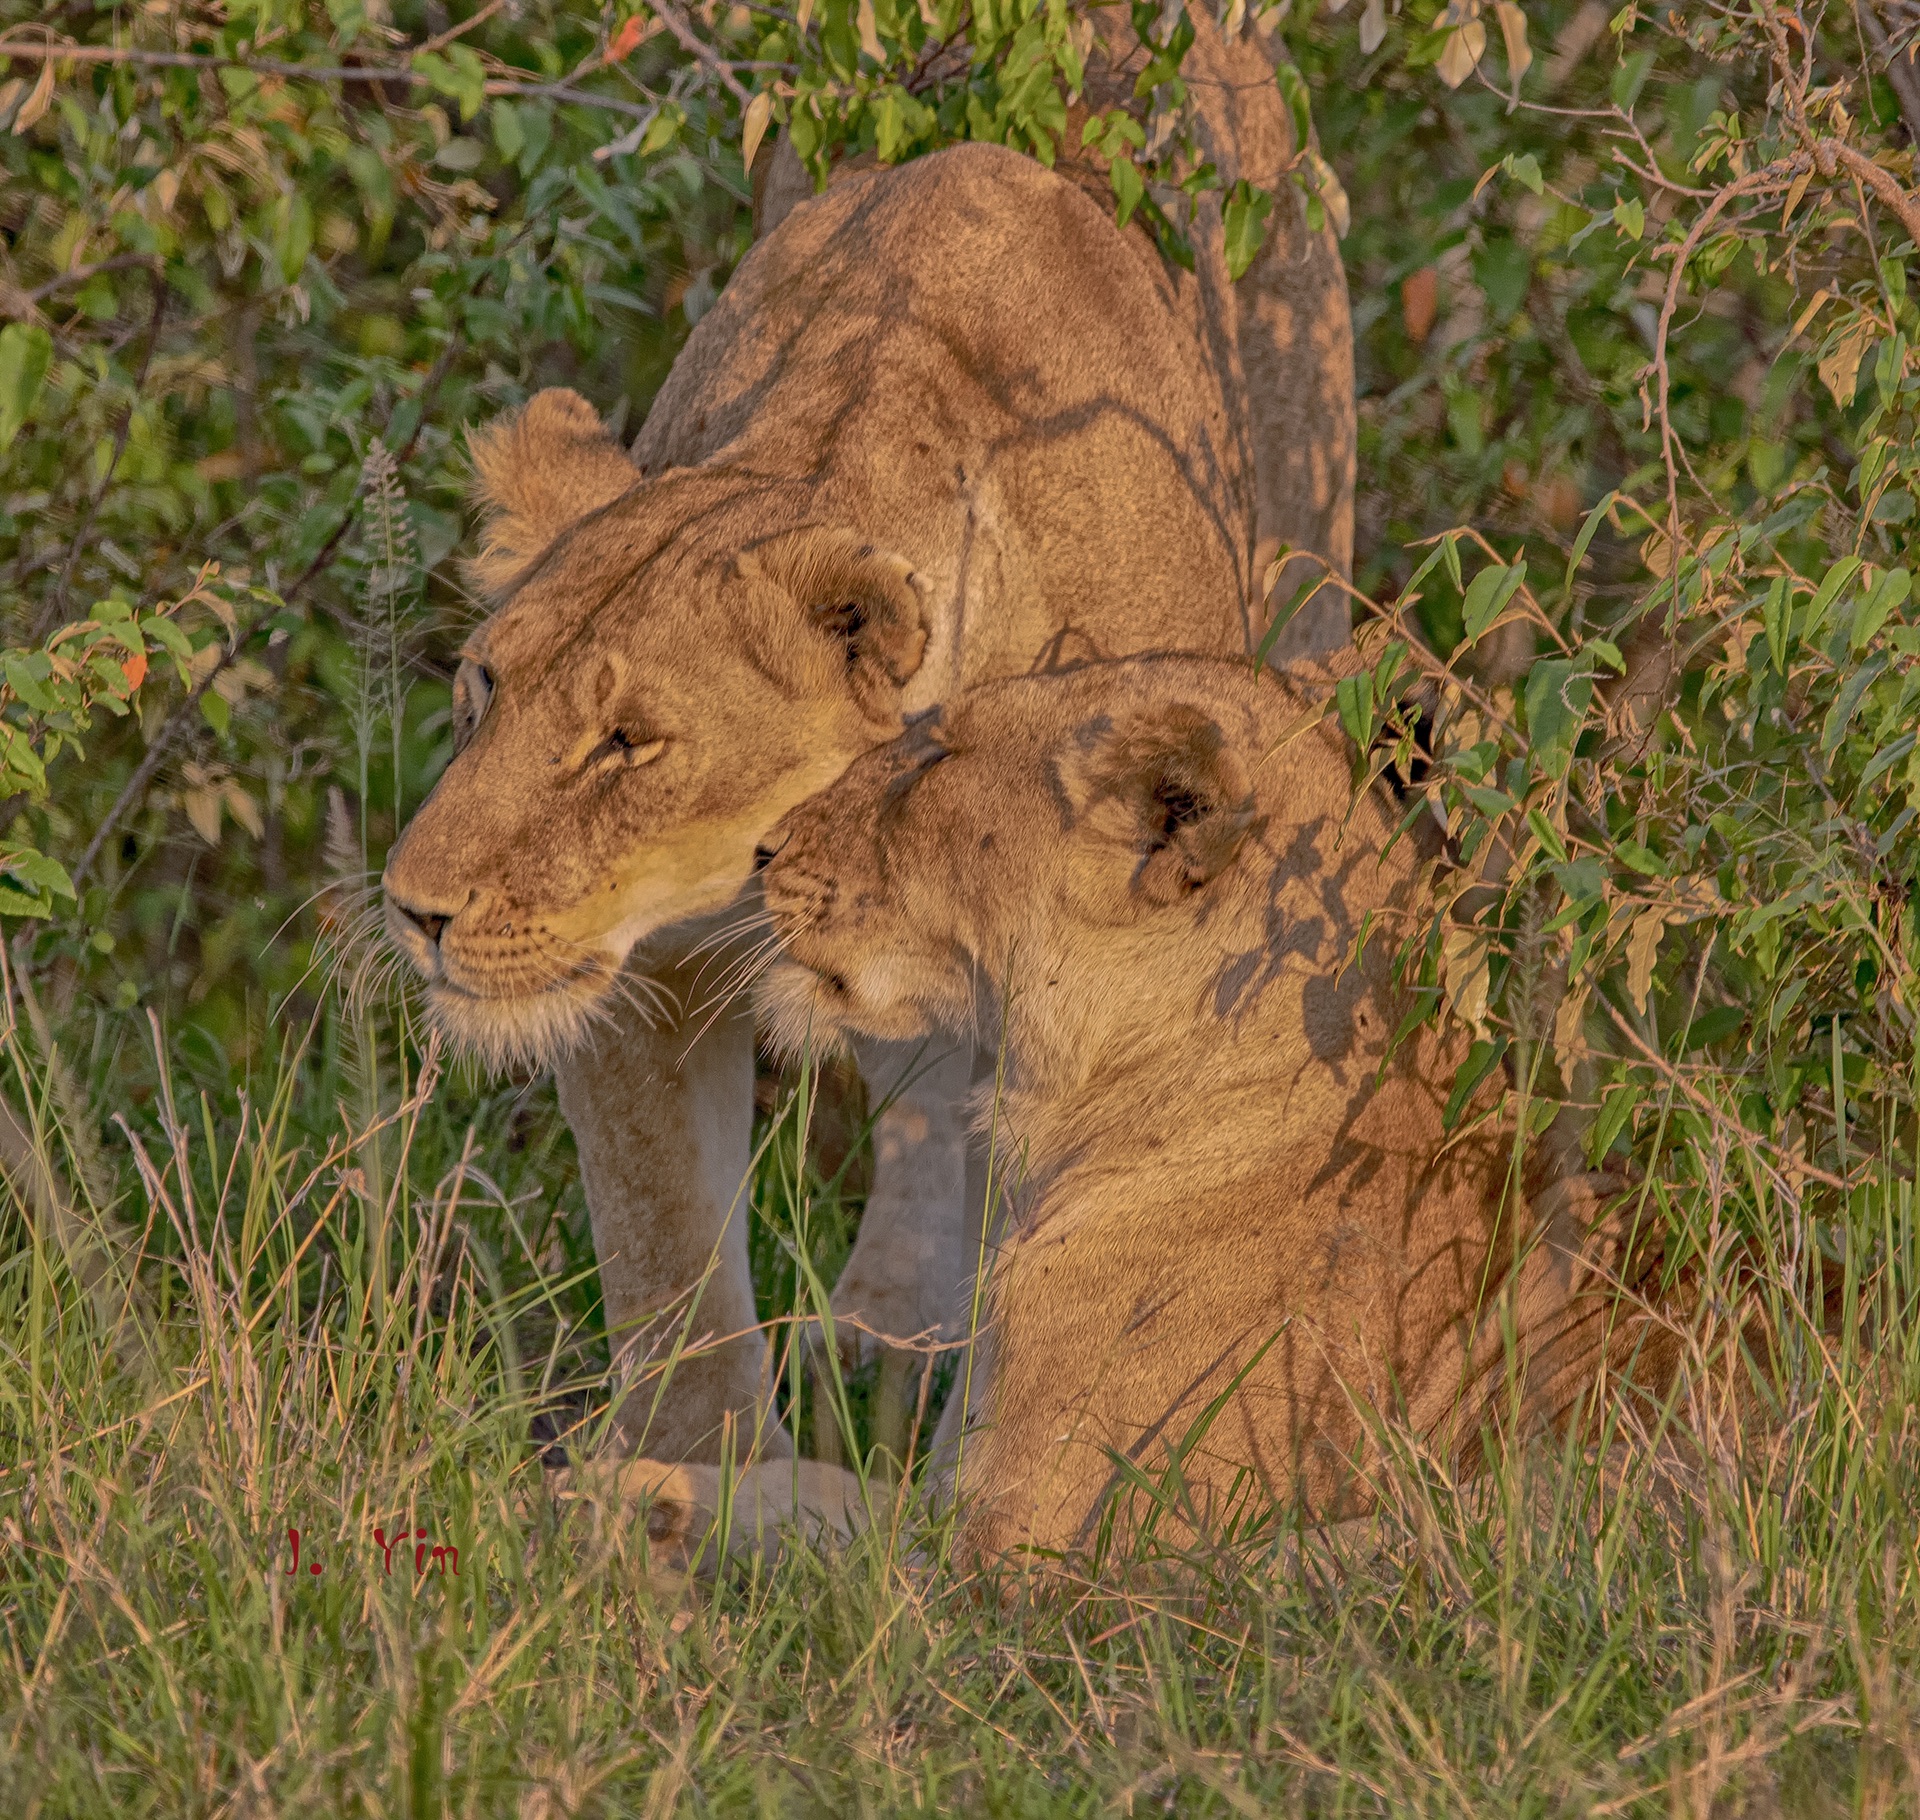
<point>737,983</point>
<point>755,918</point>
<point>740,975</point>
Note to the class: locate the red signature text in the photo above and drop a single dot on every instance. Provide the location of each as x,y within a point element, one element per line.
<point>445,1556</point>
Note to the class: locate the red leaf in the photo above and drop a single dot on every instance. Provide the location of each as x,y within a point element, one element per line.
<point>626,40</point>
<point>135,671</point>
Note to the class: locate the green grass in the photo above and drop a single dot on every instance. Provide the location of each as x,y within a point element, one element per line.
<point>337,1330</point>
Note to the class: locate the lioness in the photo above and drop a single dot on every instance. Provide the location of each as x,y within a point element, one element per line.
<point>946,422</point>
<point>1150,876</point>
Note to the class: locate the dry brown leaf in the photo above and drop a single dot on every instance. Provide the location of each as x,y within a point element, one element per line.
<point>1466,46</point>
<point>1643,949</point>
<point>1464,961</point>
<point>1513,32</point>
<point>203,810</point>
<point>1570,1033</point>
<point>1333,195</point>
<point>38,102</point>
<point>1373,26</point>
<point>754,126</point>
<point>869,33</point>
<point>1840,370</point>
<point>1795,191</point>
<point>1420,302</point>
<point>244,810</point>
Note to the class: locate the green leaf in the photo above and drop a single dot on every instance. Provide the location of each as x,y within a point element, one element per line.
<point>173,641</point>
<point>509,136</point>
<point>1713,1026</point>
<point>1450,554</point>
<point>1585,538</point>
<point>1776,619</point>
<point>1488,595</point>
<point>1480,1062</point>
<point>215,712</point>
<point>1835,579</point>
<point>1840,716</point>
<point>27,676</point>
<point>1245,220</point>
<point>663,131</point>
<point>1128,189</point>
<point>1888,593</point>
<point>40,870</point>
<point>1547,835</point>
<point>458,74</point>
<point>1282,618</point>
<point>25,355</point>
<point>14,903</point>
<point>1558,690</point>
<point>1354,694</point>
<point>1615,1110</point>
<point>1641,859</point>
<point>1293,88</point>
<point>1524,167</point>
<point>1630,217</point>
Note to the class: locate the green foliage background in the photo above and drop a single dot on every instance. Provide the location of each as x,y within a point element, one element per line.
<point>1638,462</point>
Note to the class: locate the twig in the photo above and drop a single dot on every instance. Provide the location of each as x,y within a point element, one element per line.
<point>372,73</point>
<point>81,273</point>
<point>1830,154</point>
<point>57,607</point>
<point>466,25</point>
<point>177,722</point>
<point>1774,176</point>
<point>695,46</point>
<point>1900,71</point>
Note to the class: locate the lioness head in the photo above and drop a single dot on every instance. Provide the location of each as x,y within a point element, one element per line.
<point>1066,851</point>
<point>675,662</point>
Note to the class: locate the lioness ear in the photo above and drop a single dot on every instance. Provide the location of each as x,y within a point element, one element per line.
<point>1183,790</point>
<point>864,601</point>
<point>537,472</point>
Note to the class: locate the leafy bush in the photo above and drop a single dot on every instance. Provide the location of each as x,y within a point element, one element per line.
<point>1636,516</point>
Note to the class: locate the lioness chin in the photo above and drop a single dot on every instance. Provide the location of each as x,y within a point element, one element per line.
<point>1149,881</point>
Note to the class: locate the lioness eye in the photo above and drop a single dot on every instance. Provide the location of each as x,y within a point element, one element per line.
<point>472,690</point>
<point>626,749</point>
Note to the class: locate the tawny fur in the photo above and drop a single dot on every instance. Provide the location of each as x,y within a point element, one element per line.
<point>1151,877</point>
<point>945,422</point>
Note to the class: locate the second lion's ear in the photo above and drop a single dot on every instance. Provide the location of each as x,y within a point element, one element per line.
<point>866,603</point>
<point>537,472</point>
<point>1183,794</point>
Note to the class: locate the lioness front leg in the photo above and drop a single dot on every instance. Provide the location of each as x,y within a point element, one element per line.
<point>911,1271</point>
<point>662,1112</point>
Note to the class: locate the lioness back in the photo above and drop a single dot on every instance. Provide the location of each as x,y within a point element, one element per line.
<point>979,363</point>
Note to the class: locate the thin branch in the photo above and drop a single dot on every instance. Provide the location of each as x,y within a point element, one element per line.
<point>121,262</point>
<point>373,73</point>
<point>1830,154</point>
<point>466,25</point>
<point>1900,70</point>
<point>57,607</point>
<point>695,46</point>
<point>181,718</point>
<point>1777,176</point>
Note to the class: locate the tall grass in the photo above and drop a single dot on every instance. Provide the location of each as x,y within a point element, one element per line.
<point>1713,1613</point>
